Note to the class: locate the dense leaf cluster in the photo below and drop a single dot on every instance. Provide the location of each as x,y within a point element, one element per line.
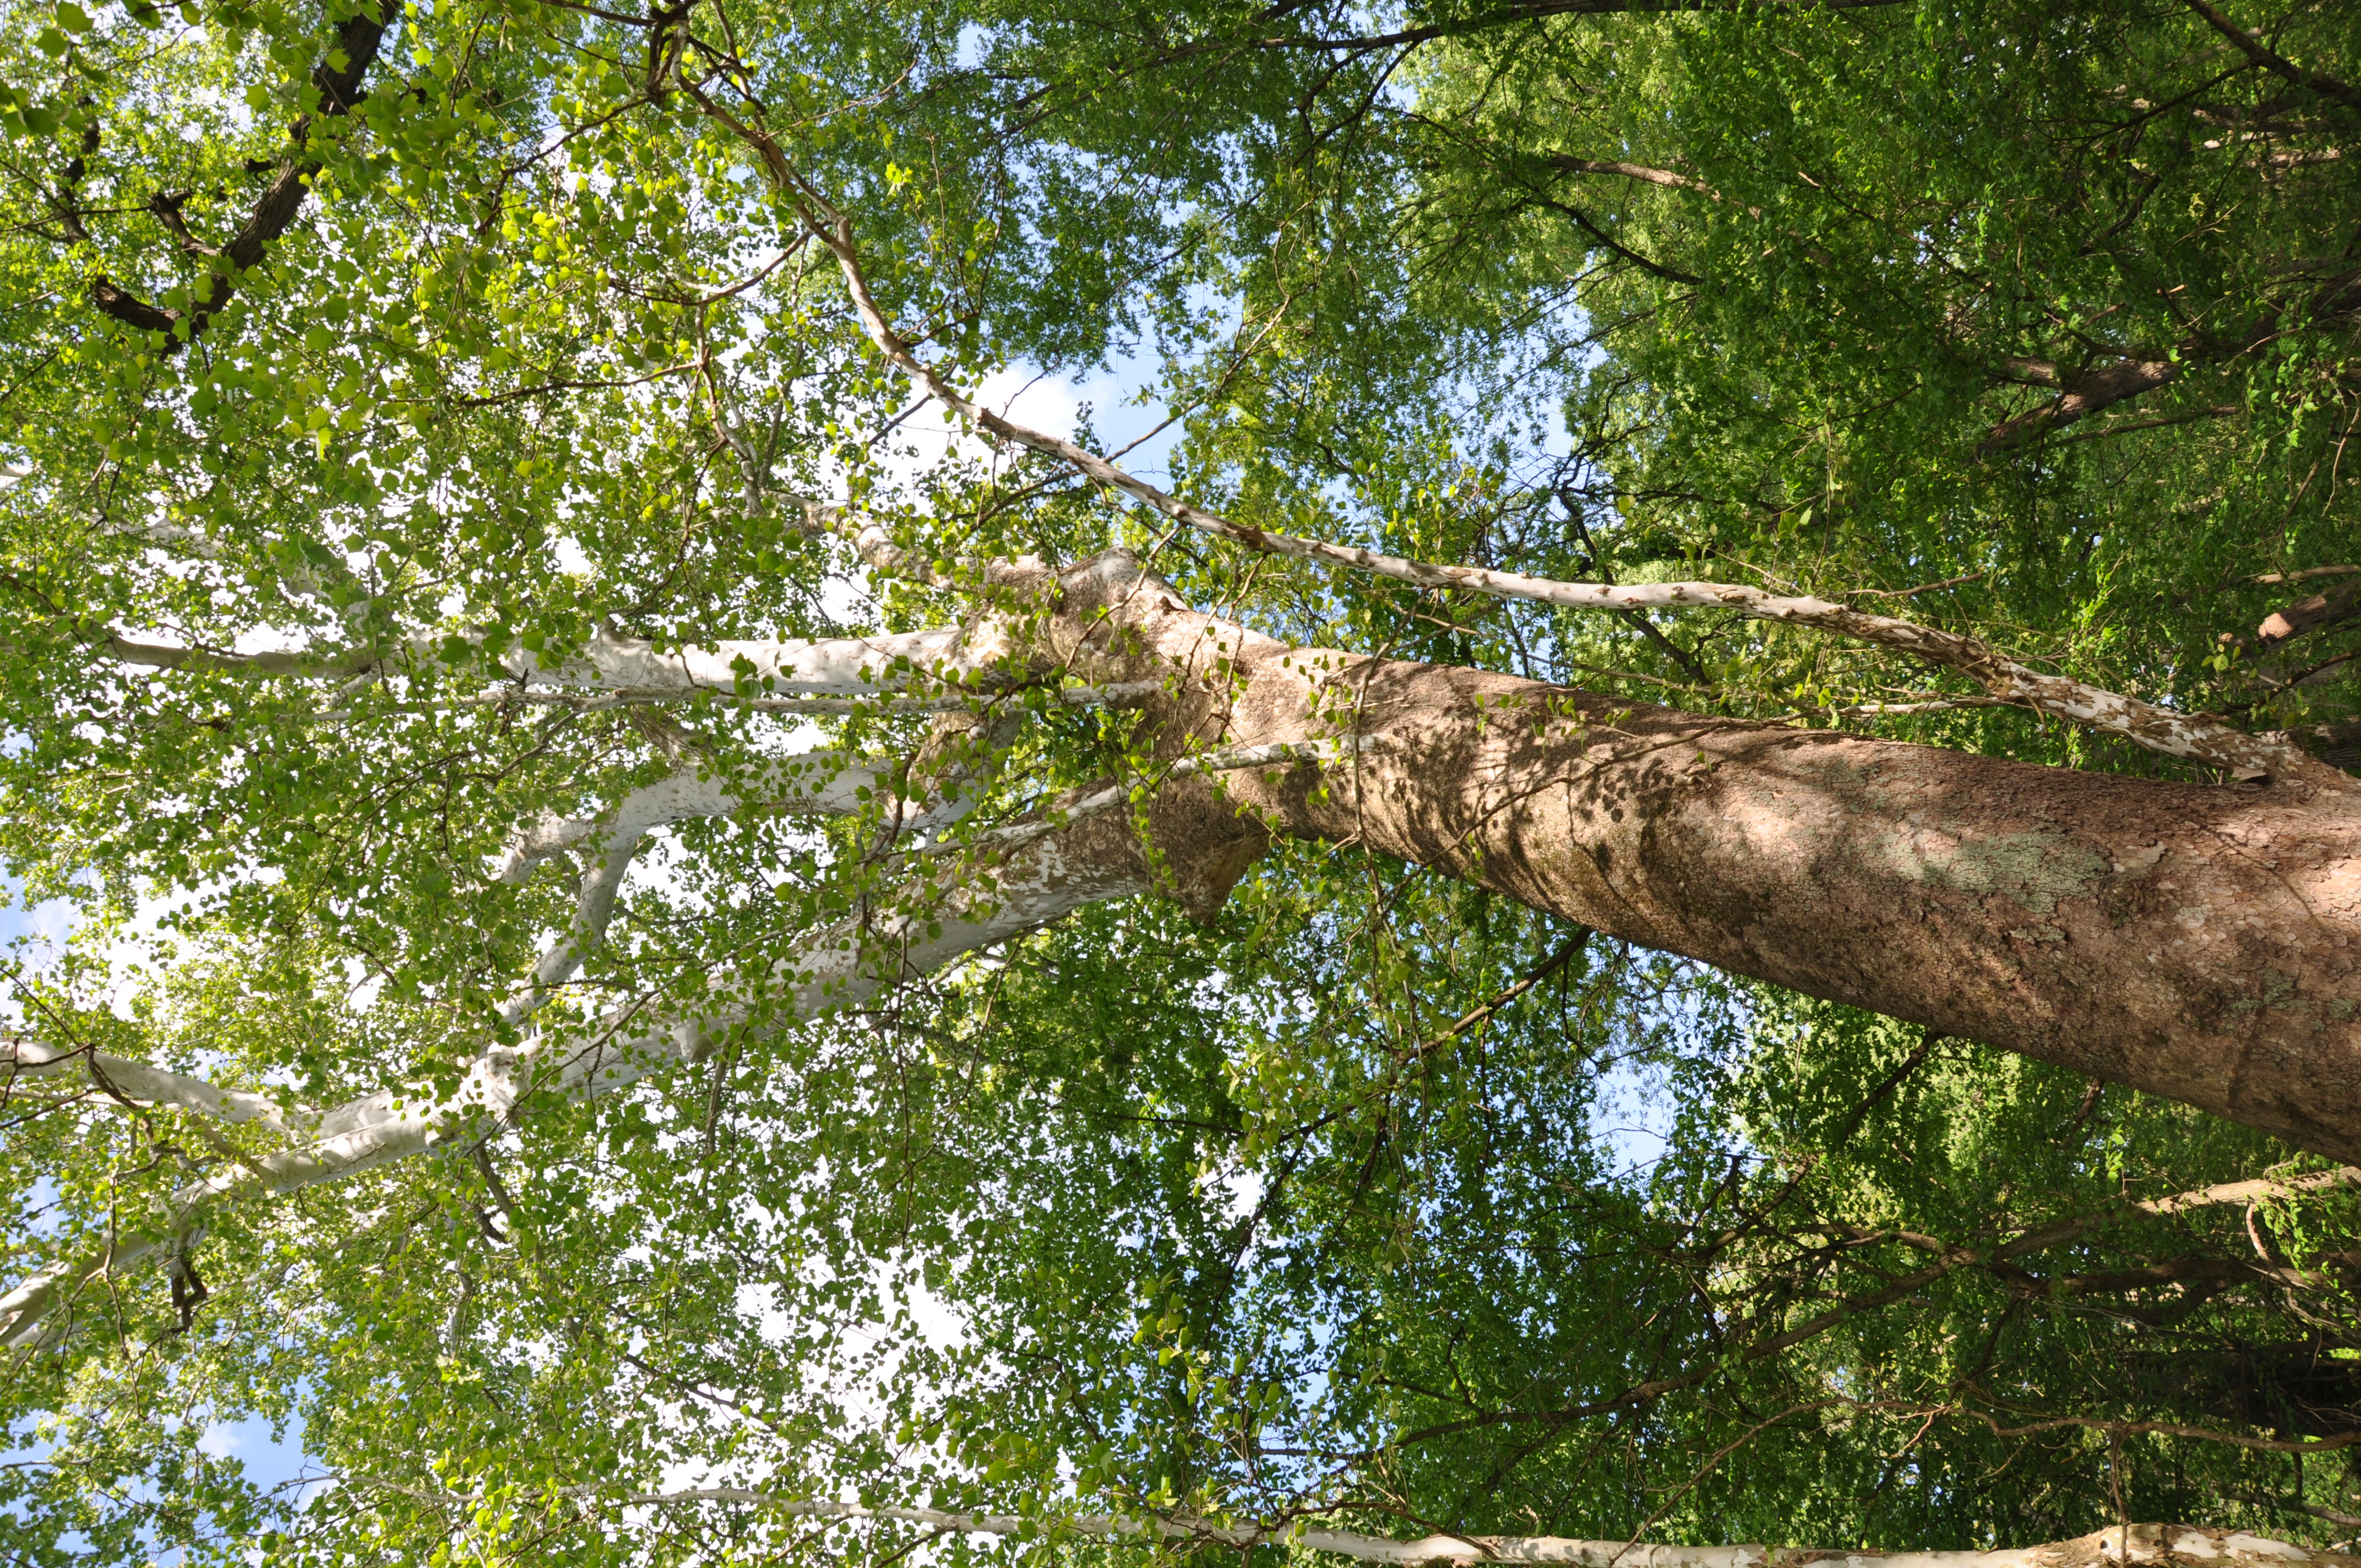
<point>1372,1197</point>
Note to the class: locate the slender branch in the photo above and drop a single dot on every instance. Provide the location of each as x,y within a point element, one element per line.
<point>1952,1259</point>
<point>2270,60</point>
<point>1506,16</point>
<point>2169,1429</point>
<point>2212,411</point>
<point>2196,738</point>
<point>2293,1506</point>
<point>2304,576</point>
<point>1638,172</point>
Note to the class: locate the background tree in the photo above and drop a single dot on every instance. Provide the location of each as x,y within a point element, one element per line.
<point>703,964</point>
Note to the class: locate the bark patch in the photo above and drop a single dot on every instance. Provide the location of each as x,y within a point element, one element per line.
<point>2032,870</point>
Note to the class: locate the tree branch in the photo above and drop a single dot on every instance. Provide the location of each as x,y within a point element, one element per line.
<point>932,923</point>
<point>1952,1259</point>
<point>1109,695</point>
<point>2339,604</point>
<point>2195,737</point>
<point>139,1083</point>
<point>2093,391</point>
<point>2293,1506</point>
<point>850,666</point>
<point>819,782</point>
<point>2254,48</point>
<point>357,39</point>
<point>1507,16</point>
<point>1638,172</point>
<point>634,669</point>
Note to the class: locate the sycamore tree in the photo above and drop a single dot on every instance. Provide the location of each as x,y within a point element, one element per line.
<point>670,972</point>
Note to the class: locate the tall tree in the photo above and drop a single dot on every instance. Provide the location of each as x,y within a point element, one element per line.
<point>1789,560</point>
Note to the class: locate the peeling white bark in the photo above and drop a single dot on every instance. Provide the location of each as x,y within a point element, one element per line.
<point>544,839</point>
<point>833,783</point>
<point>140,1084</point>
<point>839,666</point>
<point>170,656</point>
<point>1111,694</point>
<point>629,668</point>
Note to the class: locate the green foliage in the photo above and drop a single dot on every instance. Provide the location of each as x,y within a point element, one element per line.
<point>1333,1204</point>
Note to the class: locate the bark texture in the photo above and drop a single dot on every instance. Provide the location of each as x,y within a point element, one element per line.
<point>2096,390</point>
<point>2194,942</point>
<point>2339,604</point>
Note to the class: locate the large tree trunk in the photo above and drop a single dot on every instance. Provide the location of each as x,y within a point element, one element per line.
<point>2190,941</point>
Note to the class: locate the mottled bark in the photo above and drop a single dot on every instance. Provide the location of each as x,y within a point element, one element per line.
<point>2098,388</point>
<point>2190,941</point>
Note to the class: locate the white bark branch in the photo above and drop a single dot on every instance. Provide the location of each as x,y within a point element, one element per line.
<point>172,656</point>
<point>843,967</point>
<point>838,666</point>
<point>2195,737</point>
<point>2113,1548</point>
<point>143,1085</point>
<point>816,783</point>
<point>1109,695</point>
<point>844,667</point>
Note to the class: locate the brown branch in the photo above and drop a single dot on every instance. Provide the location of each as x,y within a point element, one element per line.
<point>357,39</point>
<point>2293,1505</point>
<point>2339,604</point>
<point>2212,411</point>
<point>2101,388</point>
<point>1638,172</point>
<point>1581,219</point>
<point>165,205</point>
<point>2126,374</point>
<point>2192,1269</point>
<point>1531,11</point>
<point>2304,576</point>
<point>2166,1428</point>
<point>2272,61</point>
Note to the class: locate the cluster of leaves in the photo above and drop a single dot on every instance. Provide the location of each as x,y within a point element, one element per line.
<point>1323,1206</point>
